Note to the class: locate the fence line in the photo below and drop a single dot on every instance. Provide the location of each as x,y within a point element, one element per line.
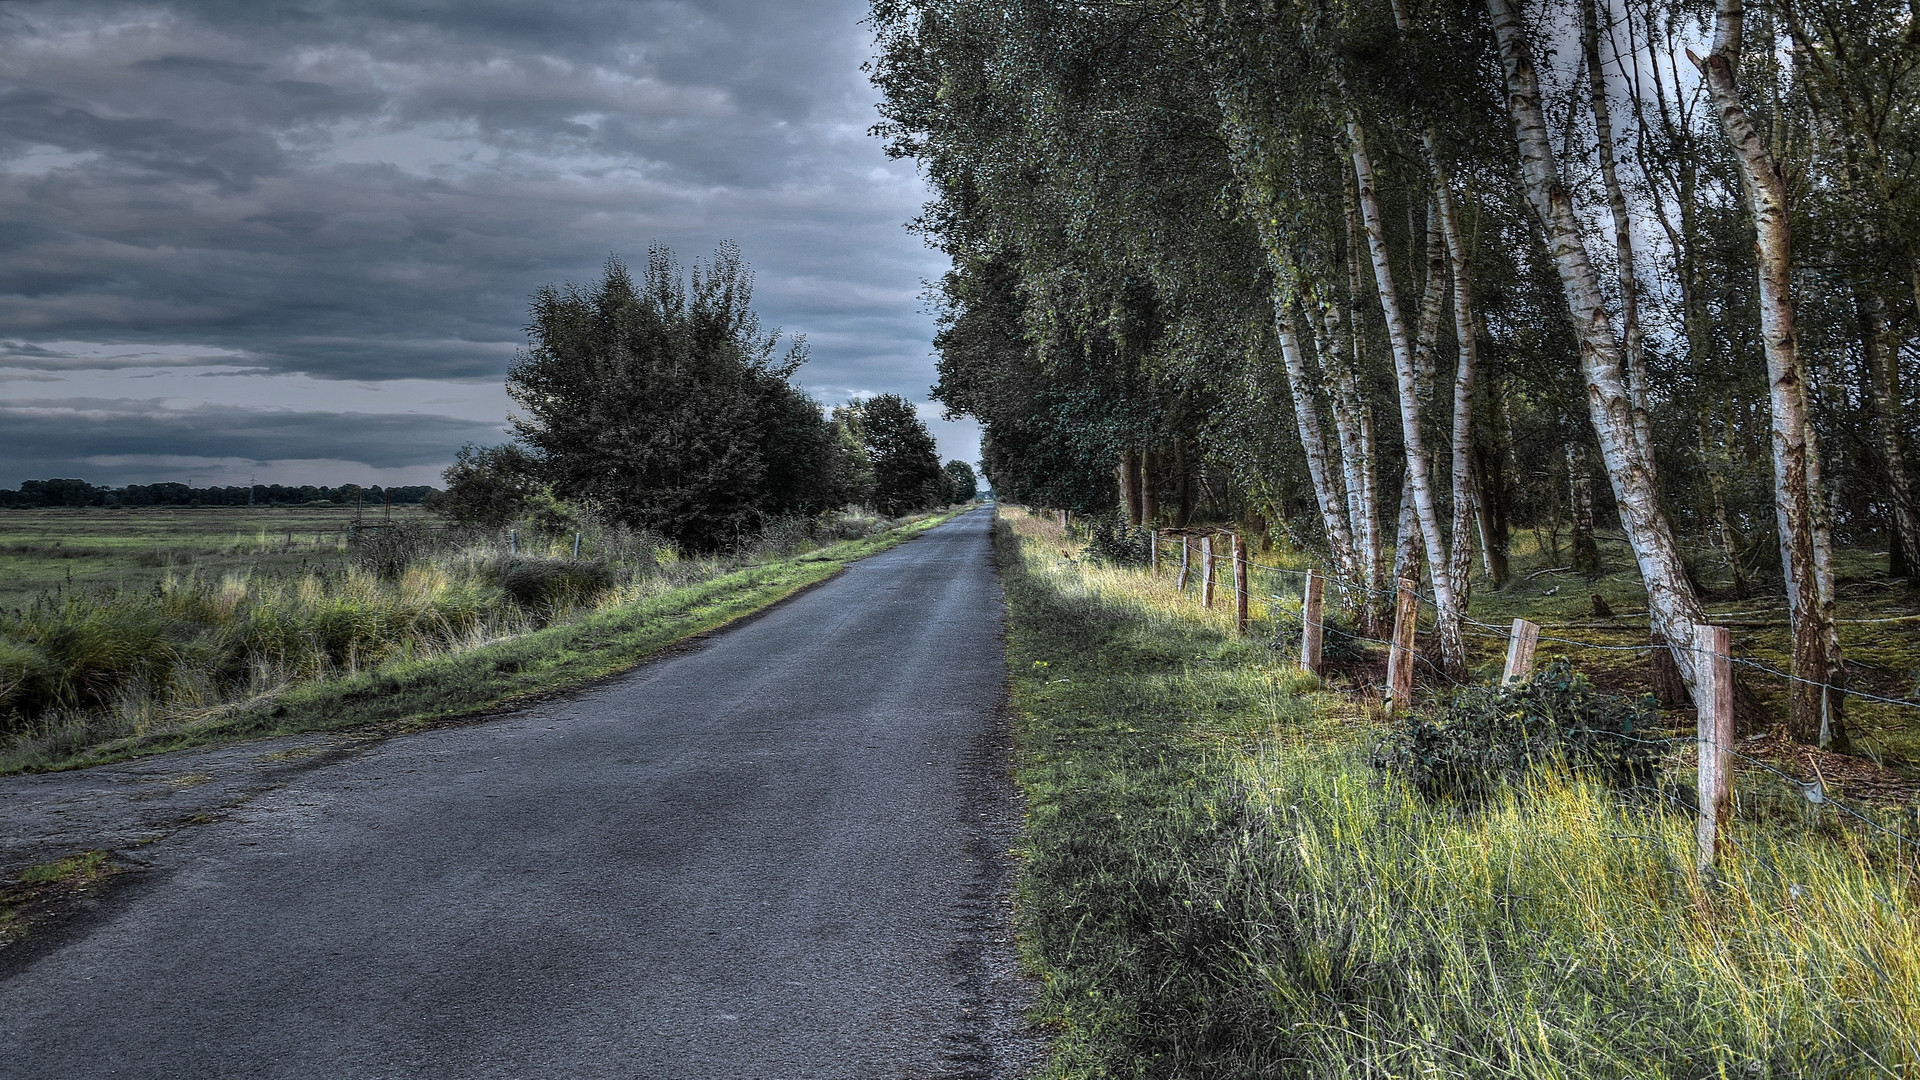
<point>1710,647</point>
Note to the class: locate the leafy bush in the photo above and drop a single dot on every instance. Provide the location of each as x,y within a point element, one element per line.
<point>1117,543</point>
<point>1486,737</point>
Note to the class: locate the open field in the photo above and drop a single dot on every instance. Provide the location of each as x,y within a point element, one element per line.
<point>402,628</point>
<point>1217,882</point>
<point>49,553</point>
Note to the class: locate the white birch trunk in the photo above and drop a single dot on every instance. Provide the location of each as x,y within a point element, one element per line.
<point>1419,478</point>
<point>1327,489</point>
<point>1632,338</point>
<point>1673,606</point>
<point>1465,492</point>
<point>1796,464</point>
<point>1353,425</point>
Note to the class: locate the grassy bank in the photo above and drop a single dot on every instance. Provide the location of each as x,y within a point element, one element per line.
<point>433,643</point>
<point>1216,883</point>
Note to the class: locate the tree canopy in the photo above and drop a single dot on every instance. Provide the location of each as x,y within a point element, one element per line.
<point>663,400</point>
<point>1400,276</point>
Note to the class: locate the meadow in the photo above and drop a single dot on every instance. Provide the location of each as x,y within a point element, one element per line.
<point>1220,879</point>
<point>180,628</point>
<point>48,553</point>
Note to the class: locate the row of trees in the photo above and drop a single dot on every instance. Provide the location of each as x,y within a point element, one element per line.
<point>1403,274</point>
<point>34,494</point>
<point>662,401</point>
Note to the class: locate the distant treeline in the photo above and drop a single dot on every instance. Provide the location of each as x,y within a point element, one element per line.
<point>43,493</point>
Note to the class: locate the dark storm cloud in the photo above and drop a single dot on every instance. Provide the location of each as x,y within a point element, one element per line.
<point>74,437</point>
<point>370,190</point>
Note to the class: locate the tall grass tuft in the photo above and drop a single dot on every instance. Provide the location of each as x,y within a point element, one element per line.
<point>1216,882</point>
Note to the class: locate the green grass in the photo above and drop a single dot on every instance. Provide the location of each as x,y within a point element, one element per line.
<point>1883,657</point>
<point>1215,883</point>
<point>82,867</point>
<point>402,690</point>
<point>39,890</point>
<point>52,553</point>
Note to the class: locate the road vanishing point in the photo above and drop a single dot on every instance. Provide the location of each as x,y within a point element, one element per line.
<point>781,853</point>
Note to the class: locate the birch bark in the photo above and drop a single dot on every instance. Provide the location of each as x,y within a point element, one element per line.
<point>1465,491</point>
<point>1353,425</point>
<point>1673,606</point>
<point>1816,702</point>
<point>1327,489</point>
<point>1893,453</point>
<point>1413,435</point>
<point>1632,338</point>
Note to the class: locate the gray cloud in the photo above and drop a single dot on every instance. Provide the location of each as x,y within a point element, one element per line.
<point>122,440</point>
<point>371,190</point>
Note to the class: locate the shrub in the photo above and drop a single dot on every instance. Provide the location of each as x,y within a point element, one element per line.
<point>1484,737</point>
<point>534,582</point>
<point>387,550</point>
<point>1117,543</point>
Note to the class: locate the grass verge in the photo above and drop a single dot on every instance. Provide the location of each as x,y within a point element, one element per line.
<point>1215,883</point>
<point>409,694</point>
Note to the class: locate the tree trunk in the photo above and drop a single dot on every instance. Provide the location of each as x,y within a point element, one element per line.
<point>1816,708</point>
<point>1586,552</point>
<point>1630,333</point>
<point>1419,480</point>
<point>1406,539</point>
<point>1149,487</point>
<point>1465,494</point>
<point>1327,489</point>
<point>1903,525</point>
<point>1673,606</point>
<point>1182,484</point>
<point>1723,524</point>
<point>1128,472</point>
<point>1490,500</point>
<point>1353,426</point>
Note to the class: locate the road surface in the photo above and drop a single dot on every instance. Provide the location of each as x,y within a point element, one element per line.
<point>781,854</point>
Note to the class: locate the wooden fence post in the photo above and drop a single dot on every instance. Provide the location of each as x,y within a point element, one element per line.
<point>1206,570</point>
<point>1406,615</point>
<point>1713,674</point>
<point>576,545</point>
<point>1520,647</point>
<point>1153,551</point>
<point>1186,561</point>
<point>1240,582</point>
<point>1313,609</point>
<point>513,542</point>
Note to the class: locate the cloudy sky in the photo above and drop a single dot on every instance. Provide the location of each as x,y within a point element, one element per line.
<point>296,240</point>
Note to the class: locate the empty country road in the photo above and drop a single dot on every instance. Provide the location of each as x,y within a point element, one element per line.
<point>780,854</point>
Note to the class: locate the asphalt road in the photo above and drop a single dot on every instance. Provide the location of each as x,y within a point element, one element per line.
<point>781,854</point>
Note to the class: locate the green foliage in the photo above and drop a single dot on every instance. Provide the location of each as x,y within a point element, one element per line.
<point>663,401</point>
<point>1111,540</point>
<point>486,486</point>
<point>387,550</point>
<point>906,469</point>
<point>1214,883</point>
<point>1484,739</point>
<point>960,484</point>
